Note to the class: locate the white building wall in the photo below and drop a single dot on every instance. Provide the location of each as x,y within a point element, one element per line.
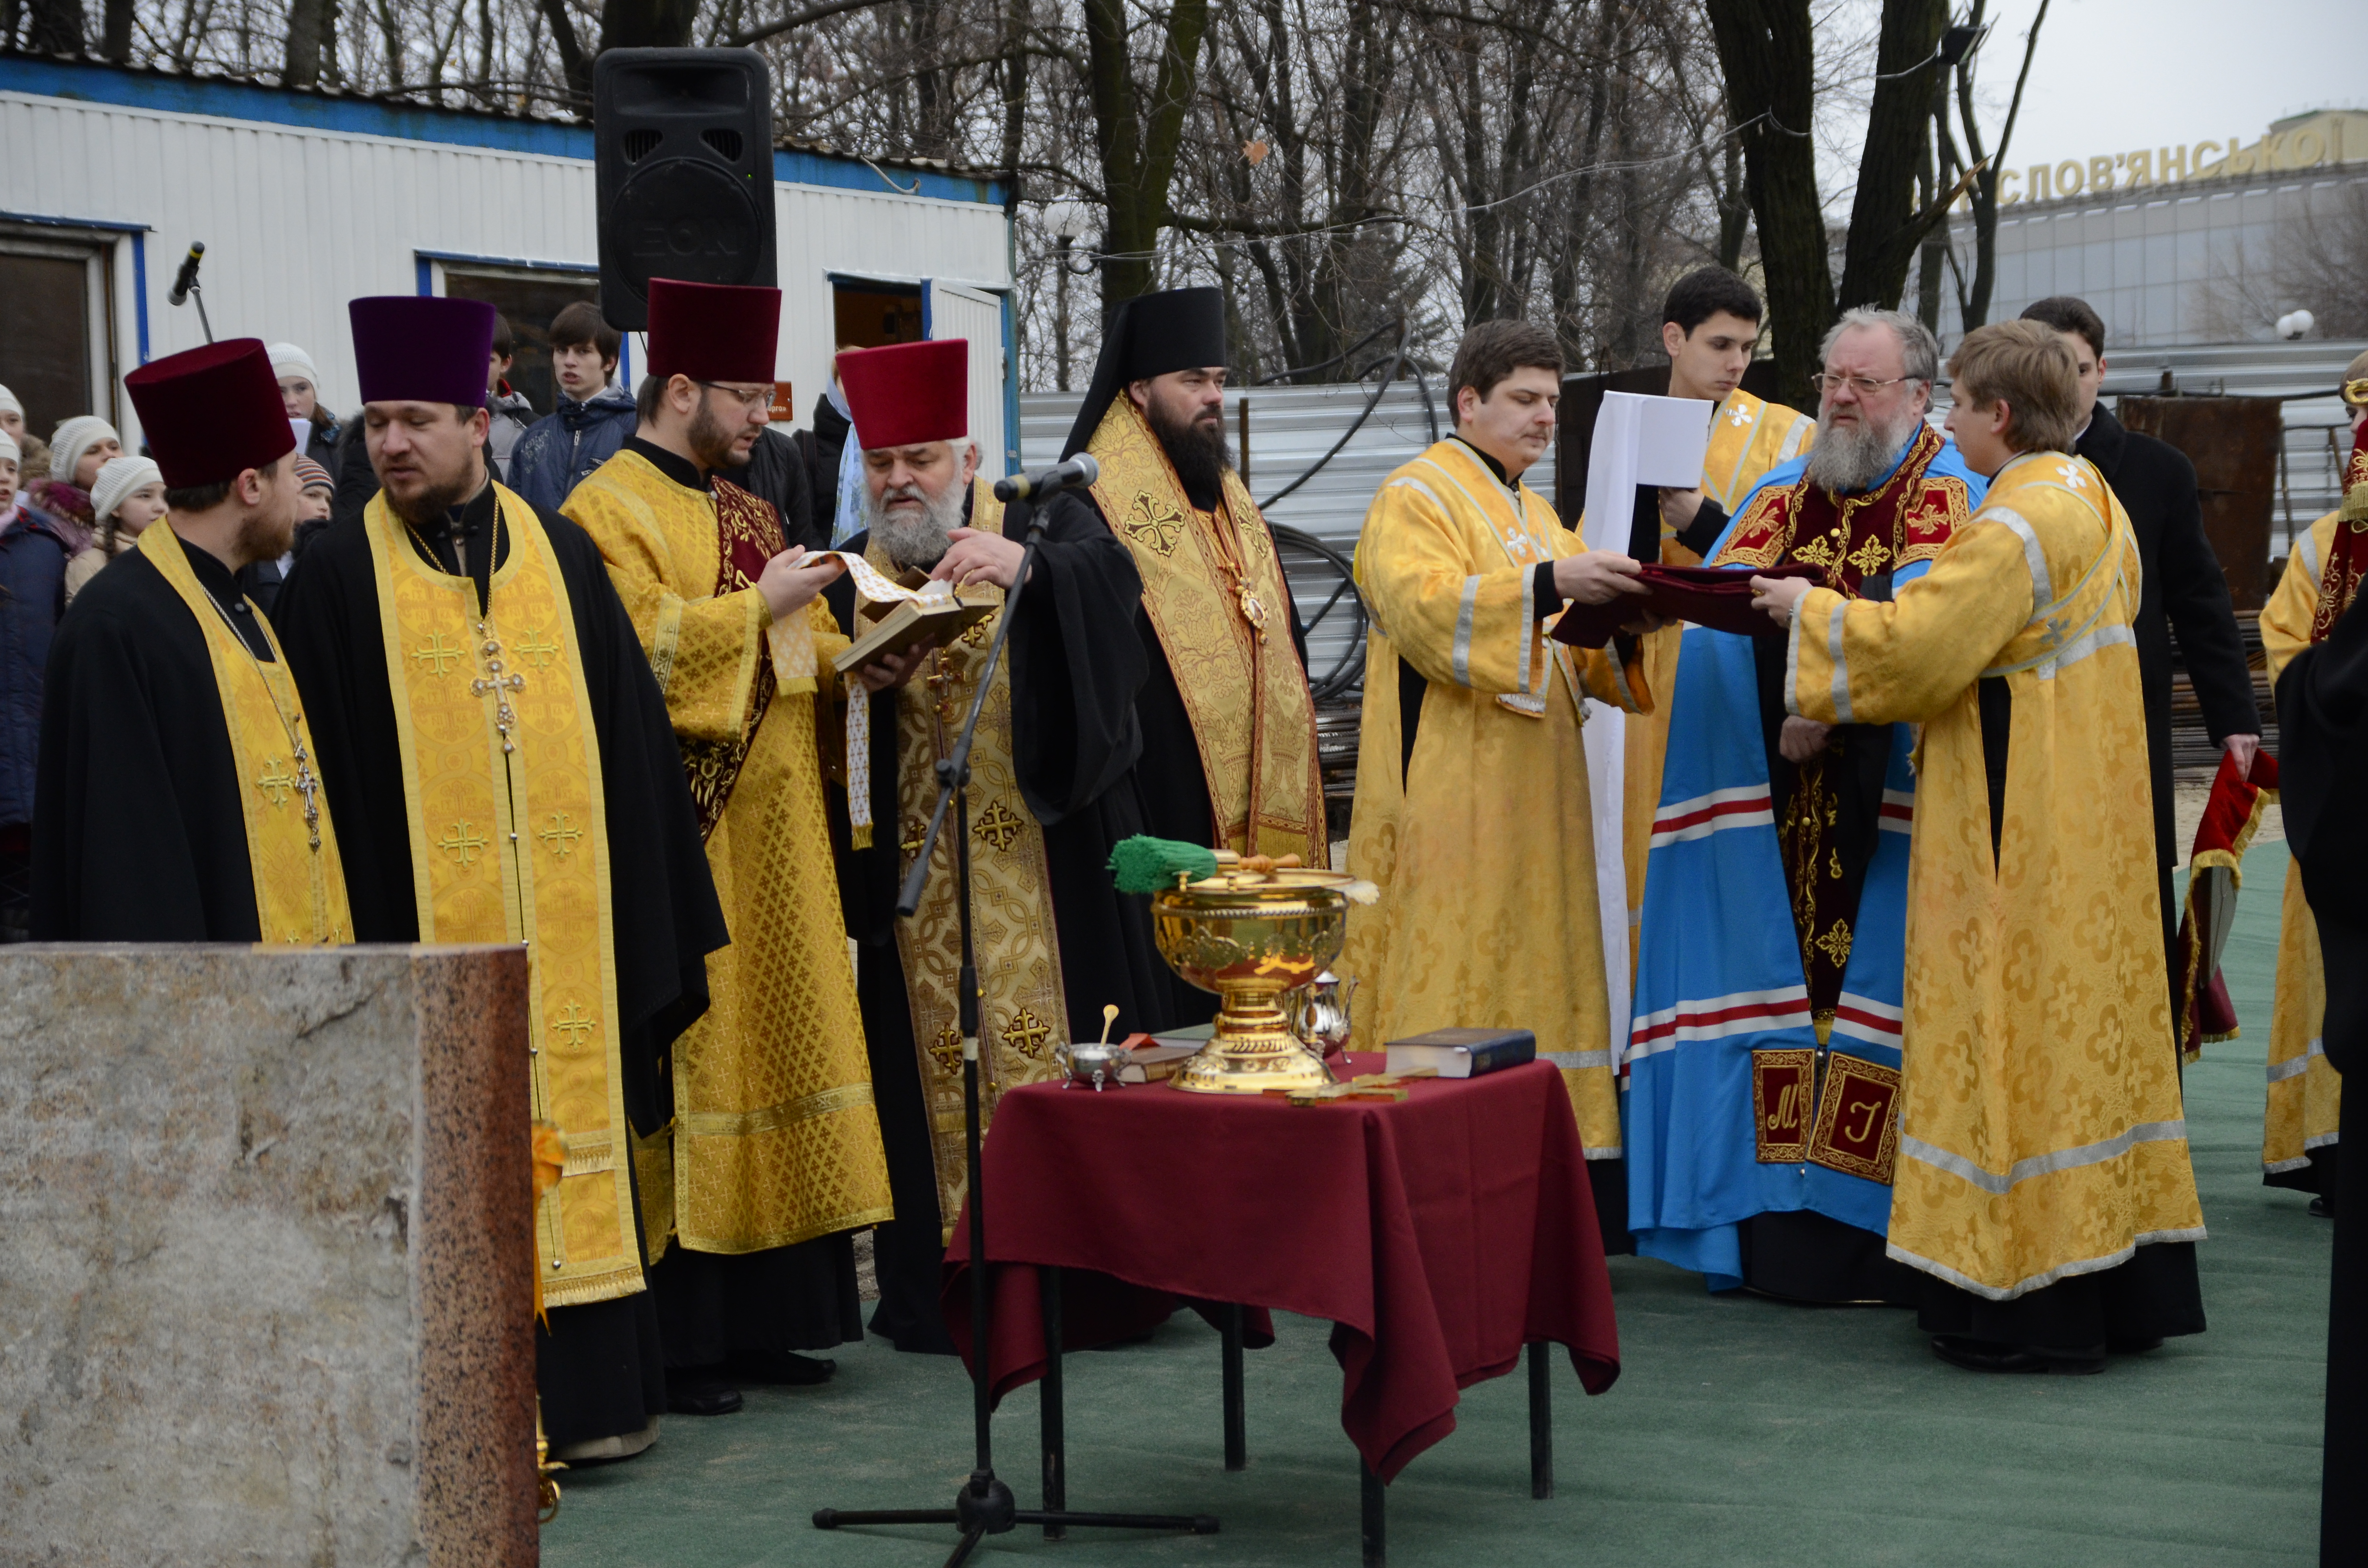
<point>298,220</point>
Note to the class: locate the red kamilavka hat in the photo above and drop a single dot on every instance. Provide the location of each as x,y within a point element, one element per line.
<point>713,332</point>
<point>908,393</point>
<point>211,414</point>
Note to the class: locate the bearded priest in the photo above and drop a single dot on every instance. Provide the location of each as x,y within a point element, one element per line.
<point>1769,964</point>
<point>772,1160</point>
<point>1052,789</point>
<point>1480,835</point>
<point>1228,725</point>
<point>2043,1183</point>
<point>177,797</point>
<point>500,770</point>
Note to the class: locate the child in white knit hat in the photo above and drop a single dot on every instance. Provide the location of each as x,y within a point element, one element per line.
<point>127,495</point>
<point>10,456</point>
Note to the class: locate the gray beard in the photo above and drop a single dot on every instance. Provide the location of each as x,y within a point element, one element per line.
<point>915,543</point>
<point>1847,460</point>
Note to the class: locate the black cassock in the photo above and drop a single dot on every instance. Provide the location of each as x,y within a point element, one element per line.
<point>599,1366</point>
<point>138,833</point>
<point>1077,667</point>
<point>2323,763</point>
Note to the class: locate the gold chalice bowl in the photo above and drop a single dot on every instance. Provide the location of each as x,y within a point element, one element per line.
<point>1251,936</point>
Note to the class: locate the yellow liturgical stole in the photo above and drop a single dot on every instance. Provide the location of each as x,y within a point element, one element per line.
<point>1023,1011</point>
<point>1216,598</point>
<point>300,884</point>
<point>501,774</point>
<point>1747,437</point>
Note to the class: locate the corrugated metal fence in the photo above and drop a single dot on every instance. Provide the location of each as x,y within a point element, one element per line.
<point>1289,429</point>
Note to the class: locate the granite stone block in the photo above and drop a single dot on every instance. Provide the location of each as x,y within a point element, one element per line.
<point>266,1256</point>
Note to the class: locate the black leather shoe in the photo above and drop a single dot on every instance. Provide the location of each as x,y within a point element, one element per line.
<point>781,1368</point>
<point>2133,1346</point>
<point>1980,1355</point>
<point>2323,1206</point>
<point>694,1395</point>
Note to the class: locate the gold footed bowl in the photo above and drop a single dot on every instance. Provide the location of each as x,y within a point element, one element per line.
<point>1250,937</point>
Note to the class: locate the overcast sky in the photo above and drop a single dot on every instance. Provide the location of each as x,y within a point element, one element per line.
<point>2111,75</point>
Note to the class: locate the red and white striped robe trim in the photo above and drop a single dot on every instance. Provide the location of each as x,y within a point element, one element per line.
<point>1681,822</point>
<point>1861,1017</point>
<point>1898,811</point>
<point>1715,1017</point>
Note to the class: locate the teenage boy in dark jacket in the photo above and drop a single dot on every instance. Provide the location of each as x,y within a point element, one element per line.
<point>593,418</point>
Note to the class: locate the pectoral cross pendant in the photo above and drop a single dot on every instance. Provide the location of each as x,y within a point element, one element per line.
<point>310,788</point>
<point>500,685</point>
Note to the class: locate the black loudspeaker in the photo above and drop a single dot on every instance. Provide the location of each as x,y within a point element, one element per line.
<point>683,143</point>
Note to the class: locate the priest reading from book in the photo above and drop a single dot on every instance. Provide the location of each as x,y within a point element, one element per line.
<point>772,1160</point>
<point>2042,1183</point>
<point>1228,726</point>
<point>2302,1124</point>
<point>500,770</point>
<point>1769,960</point>
<point>1710,328</point>
<point>1472,811</point>
<point>1052,789</point>
<point>179,795</point>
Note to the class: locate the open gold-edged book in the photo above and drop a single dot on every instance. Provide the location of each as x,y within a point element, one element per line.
<point>895,627</point>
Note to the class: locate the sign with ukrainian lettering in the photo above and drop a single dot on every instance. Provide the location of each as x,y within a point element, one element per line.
<point>2311,142</point>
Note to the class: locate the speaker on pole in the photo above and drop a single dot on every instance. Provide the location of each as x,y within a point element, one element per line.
<point>683,145</point>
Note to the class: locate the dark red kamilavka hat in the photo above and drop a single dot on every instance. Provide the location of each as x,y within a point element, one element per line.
<point>713,332</point>
<point>211,414</point>
<point>422,348</point>
<point>907,393</point>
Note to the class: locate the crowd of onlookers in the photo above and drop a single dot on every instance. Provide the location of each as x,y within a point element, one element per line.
<point>71,503</point>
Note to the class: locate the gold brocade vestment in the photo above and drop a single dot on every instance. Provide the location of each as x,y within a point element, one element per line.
<point>509,827</point>
<point>1023,1010</point>
<point>300,884</point>
<point>1747,437</point>
<point>2305,1095</point>
<point>774,1140</point>
<point>1215,594</point>
<point>2041,1134</point>
<point>1482,845</point>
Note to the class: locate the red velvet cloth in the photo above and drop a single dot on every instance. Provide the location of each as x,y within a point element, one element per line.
<point>1715,596</point>
<point>1438,1234</point>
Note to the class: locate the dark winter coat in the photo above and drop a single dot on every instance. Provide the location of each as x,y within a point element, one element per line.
<point>561,449</point>
<point>33,554</point>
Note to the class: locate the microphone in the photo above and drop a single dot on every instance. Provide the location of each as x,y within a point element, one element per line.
<point>187,278</point>
<point>1078,473</point>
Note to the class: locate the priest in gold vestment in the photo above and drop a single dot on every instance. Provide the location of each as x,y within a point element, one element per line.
<point>772,1160</point>
<point>1228,726</point>
<point>2043,1183</point>
<point>1472,811</point>
<point>176,797</point>
<point>1053,786</point>
<point>500,770</point>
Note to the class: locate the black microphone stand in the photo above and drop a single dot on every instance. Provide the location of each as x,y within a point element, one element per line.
<point>984,1505</point>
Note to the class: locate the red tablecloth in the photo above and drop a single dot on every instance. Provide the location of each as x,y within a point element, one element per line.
<point>1438,1234</point>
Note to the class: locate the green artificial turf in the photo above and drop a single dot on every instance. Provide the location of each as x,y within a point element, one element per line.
<point>1741,1431</point>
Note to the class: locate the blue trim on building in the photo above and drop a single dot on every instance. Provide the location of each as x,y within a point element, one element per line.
<point>523,264</point>
<point>371,117</point>
<point>1010,387</point>
<point>425,272</point>
<point>139,288</point>
<point>139,234</point>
